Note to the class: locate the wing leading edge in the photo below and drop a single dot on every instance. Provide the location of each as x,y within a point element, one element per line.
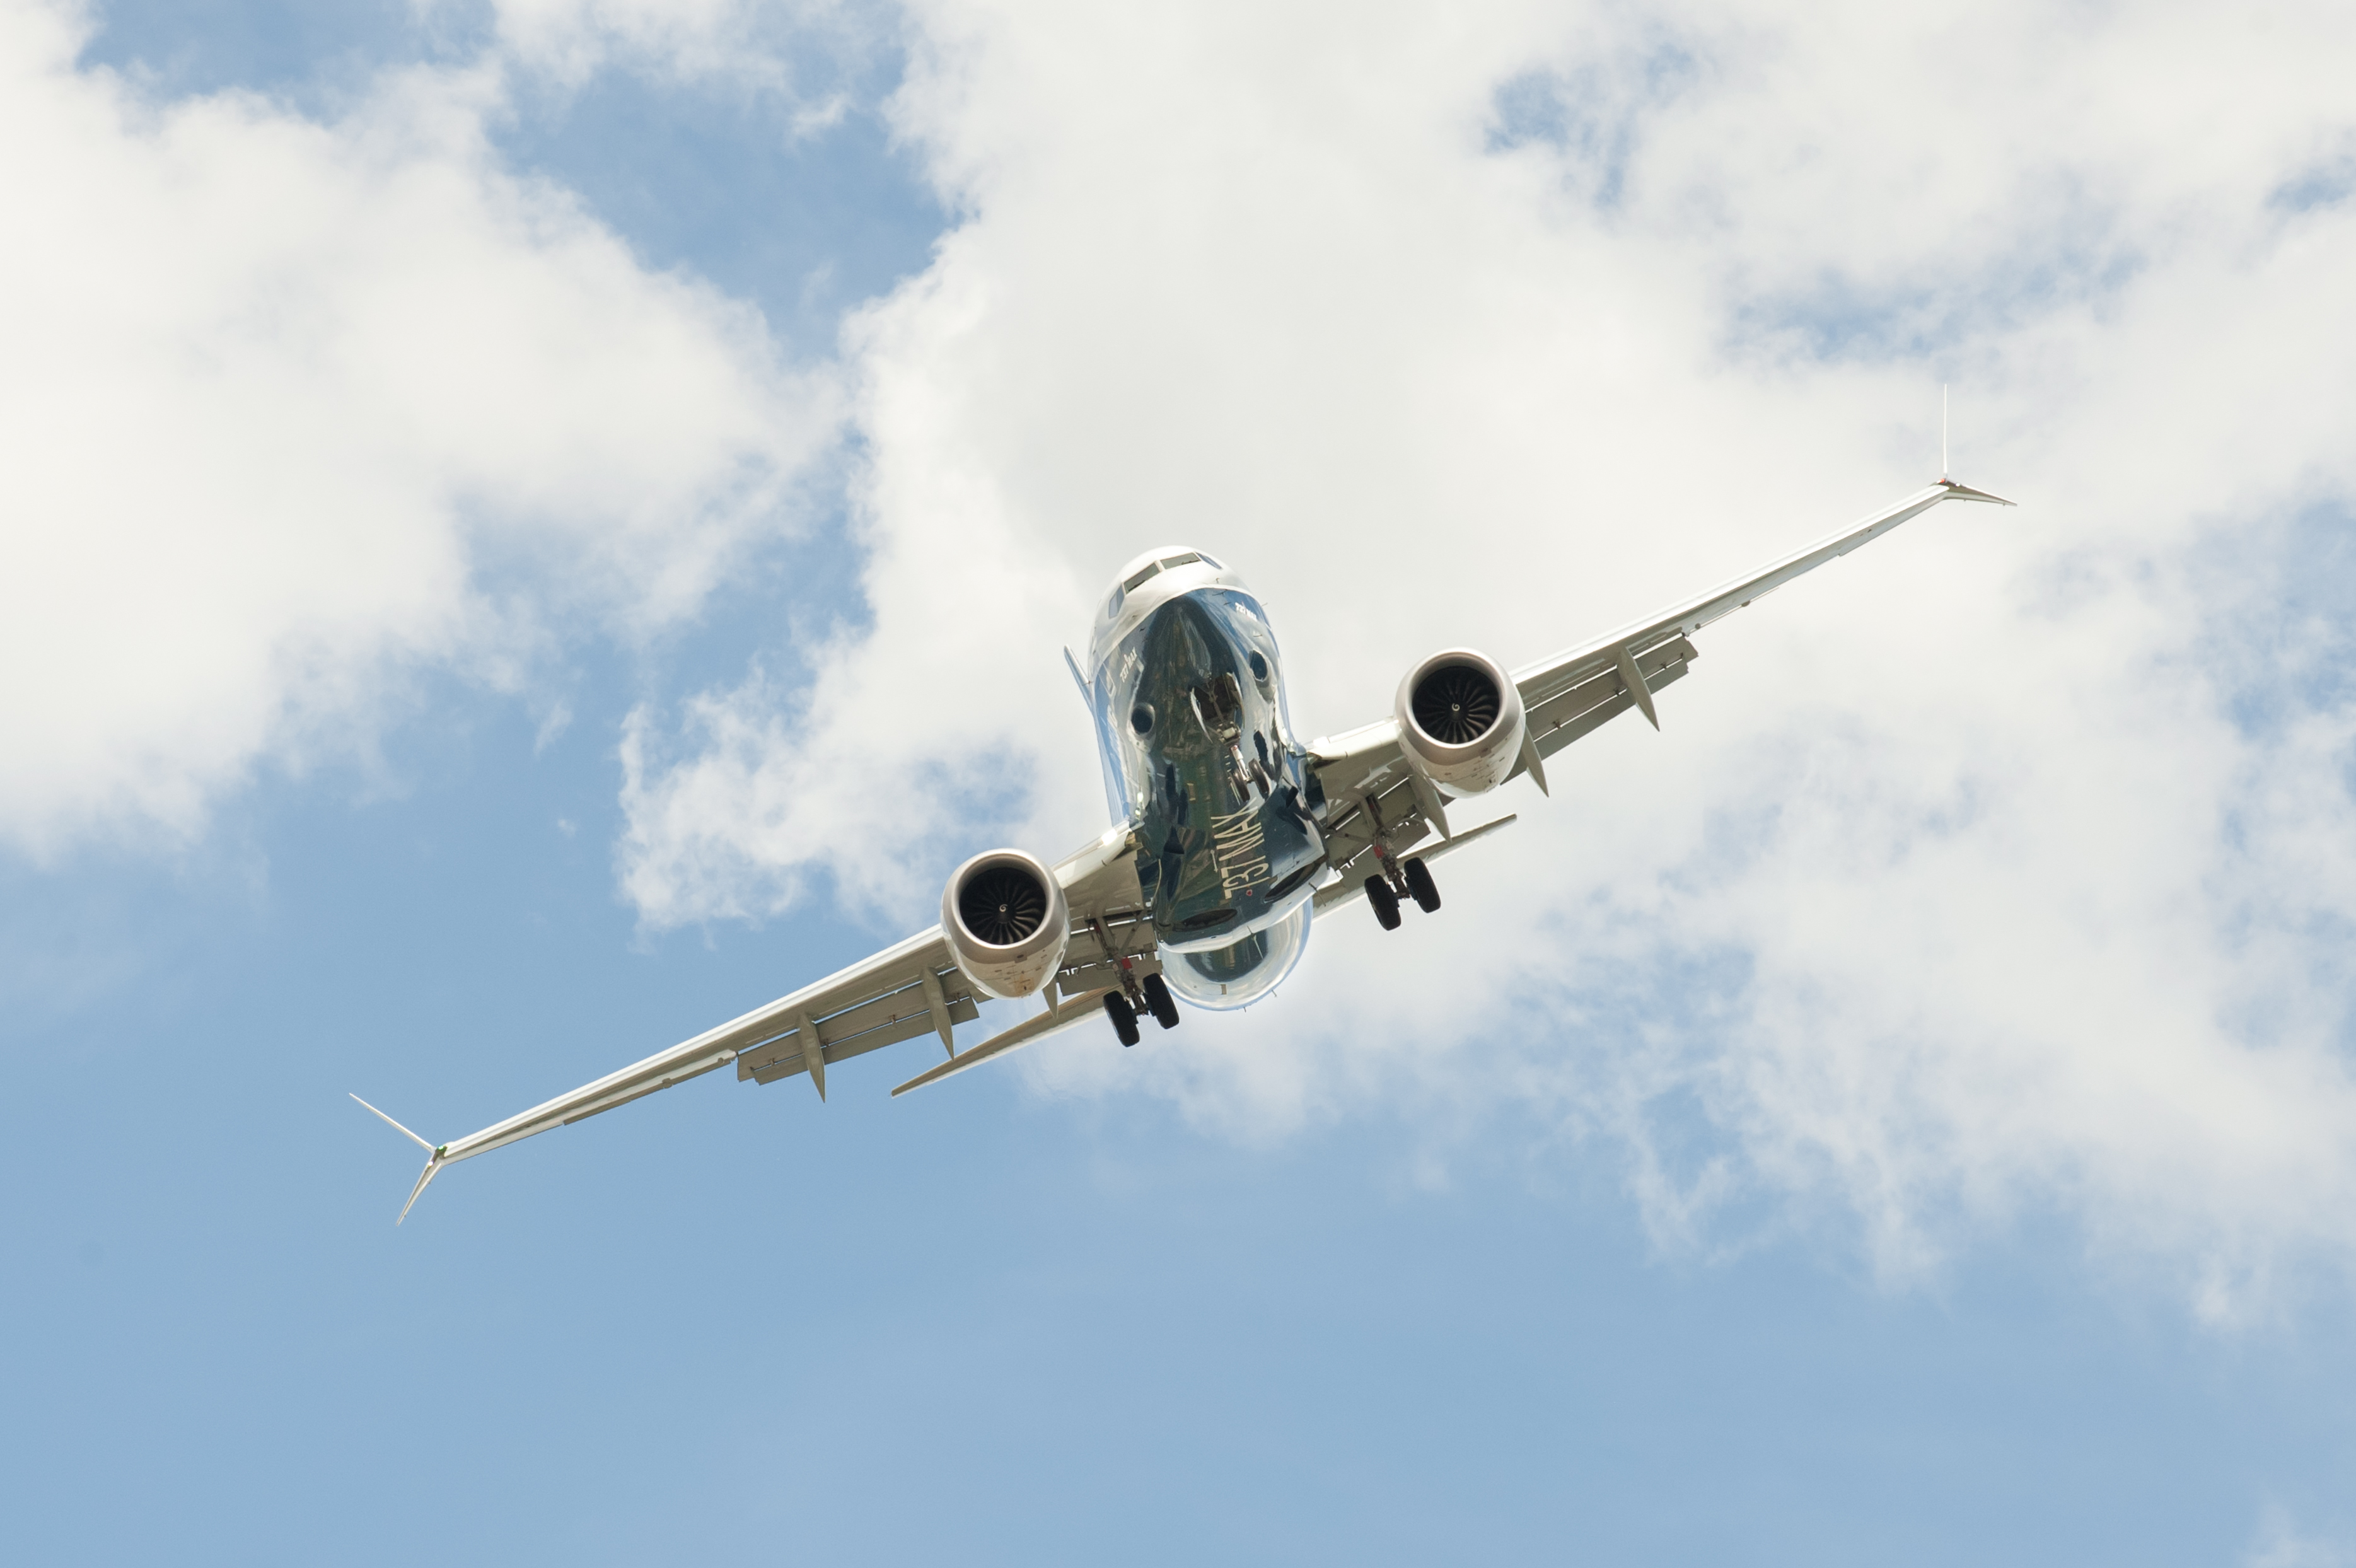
<point>911,988</point>
<point>1379,806</point>
<point>1550,677</point>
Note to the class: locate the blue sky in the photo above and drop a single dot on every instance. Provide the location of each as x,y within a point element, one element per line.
<point>1813,1143</point>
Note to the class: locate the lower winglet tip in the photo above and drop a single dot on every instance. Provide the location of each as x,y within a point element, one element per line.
<point>424,1178</point>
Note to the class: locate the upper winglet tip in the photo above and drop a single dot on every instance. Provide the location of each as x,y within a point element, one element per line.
<point>395,1125</point>
<point>1963,492</point>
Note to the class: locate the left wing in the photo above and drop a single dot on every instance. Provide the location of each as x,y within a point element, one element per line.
<point>1376,802</point>
<point>911,988</point>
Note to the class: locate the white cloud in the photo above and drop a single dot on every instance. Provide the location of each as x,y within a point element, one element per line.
<point>279,395</point>
<point>1960,883</point>
<point>757,41</point>
<point>2281,1544</point>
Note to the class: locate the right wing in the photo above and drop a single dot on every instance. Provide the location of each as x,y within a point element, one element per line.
<point>912,988</point>
<point>1375,799</point>
<point>1569,694</point>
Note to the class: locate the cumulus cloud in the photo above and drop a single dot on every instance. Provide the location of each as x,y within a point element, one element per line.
<point>284,398</point>
<point>758,41</point>
<point>2005,867</point>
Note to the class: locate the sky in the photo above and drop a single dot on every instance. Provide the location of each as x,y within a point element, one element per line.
<point>535,526</point>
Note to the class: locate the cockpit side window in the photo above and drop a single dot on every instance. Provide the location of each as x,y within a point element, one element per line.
<point>1211,561</point>
<point>1142,573</point>
<point>1112,605</point>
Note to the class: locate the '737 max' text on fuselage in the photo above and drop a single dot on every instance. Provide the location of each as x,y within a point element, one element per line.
<point>1229,837</point>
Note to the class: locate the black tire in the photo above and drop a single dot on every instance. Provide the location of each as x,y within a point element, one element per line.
<point>1386,902</point>
<point>1160,1003</point>
<point>1418,883</point>
<point>1123,1017</point>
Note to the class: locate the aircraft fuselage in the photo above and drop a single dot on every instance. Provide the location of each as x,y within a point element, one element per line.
<point>1187,686</point>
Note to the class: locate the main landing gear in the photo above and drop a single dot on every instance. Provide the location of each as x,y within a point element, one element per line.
<point>1419,886</point>
<point>1385,898</point>
<point>1159,1004</point>
<point>1123,1017</point>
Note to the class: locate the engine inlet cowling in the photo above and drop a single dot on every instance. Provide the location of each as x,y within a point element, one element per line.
<point>1460,721</point>
<point>1007,923</point>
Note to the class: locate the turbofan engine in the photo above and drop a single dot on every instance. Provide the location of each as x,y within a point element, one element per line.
<point>1007,922</point>
<point>1460,721</point>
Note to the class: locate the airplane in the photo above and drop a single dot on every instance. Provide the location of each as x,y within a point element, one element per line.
<point>1229,837</point>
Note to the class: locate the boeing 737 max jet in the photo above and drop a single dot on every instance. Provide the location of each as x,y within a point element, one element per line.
<point>1229,837</point>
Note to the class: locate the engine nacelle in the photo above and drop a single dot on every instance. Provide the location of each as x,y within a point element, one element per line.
<point>1007,922</point>
<point>1460,721</point>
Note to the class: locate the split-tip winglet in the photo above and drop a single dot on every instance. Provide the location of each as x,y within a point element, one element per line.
<point>434,1155</point>
<point>1966,493</point>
